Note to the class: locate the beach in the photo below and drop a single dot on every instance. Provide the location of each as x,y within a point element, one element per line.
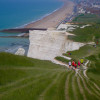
<point>50,21</point>
<point>55,18</point>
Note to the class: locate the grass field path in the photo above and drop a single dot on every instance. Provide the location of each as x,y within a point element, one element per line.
<point>74,89</point>
<point>66,83</point>
<point>78,85</point>
<point>81,89</point>
<point>67,86</point>
<point>47,81</point>
<point>24,84</point>
<point>48,87</point>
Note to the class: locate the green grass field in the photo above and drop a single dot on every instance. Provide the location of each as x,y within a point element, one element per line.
<point>87,34</point>
<point>42,80</point>
<point>23,78</point>
<point>87,18</point>
<point>83,52</point>
<point>88,52</point>
<point>62,59</point>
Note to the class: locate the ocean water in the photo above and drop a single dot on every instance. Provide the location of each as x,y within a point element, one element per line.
<point>17,13</point>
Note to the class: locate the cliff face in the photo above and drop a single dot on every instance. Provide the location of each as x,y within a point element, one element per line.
<point>46,45</point>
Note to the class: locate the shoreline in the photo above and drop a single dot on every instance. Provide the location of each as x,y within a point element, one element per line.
<point>24,25</point>
<point>53,19</point>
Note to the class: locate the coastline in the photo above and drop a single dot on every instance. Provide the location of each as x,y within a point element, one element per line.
<point>52,20</point>
<point>24,25</point>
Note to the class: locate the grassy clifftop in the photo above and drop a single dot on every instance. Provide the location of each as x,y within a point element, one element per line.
<point>87,34</point>
<point>87,18</point>
<point>11,60</point>
<point>42,80</point>
<point>23,78</point>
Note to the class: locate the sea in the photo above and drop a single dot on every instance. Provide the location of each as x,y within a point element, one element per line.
<point>18,13</point>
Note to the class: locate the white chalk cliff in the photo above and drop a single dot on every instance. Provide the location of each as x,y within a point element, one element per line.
<point>46,45</point>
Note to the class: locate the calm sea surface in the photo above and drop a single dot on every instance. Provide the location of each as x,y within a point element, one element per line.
<point>17,13</point>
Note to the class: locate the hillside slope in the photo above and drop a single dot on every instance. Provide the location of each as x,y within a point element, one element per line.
<point>42,80</point>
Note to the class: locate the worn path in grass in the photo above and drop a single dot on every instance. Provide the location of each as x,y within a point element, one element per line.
<point>75,90</point>
<point>47,81</point>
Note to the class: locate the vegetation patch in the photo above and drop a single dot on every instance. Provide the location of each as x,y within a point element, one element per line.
<point>83,52</point>
<point>26,78</point>
<point>87,18</point>
<point>62,59</point>
<point>7,59</point>
<point>87,34</point>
